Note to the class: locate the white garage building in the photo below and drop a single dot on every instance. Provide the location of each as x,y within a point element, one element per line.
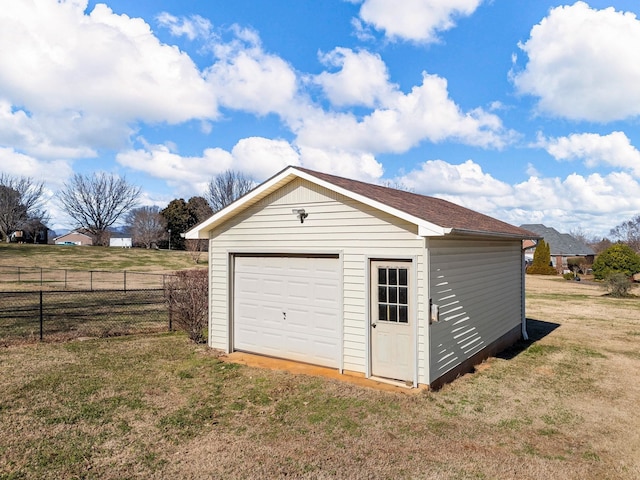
<point>366,279</point>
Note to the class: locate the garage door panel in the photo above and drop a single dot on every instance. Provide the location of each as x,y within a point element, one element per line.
<point>288,307</point>
<point>326,294</point>
<point>299,290</point>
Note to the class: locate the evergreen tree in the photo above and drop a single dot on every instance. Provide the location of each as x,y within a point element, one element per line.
<point>618,258</point>
<point>542,260</point>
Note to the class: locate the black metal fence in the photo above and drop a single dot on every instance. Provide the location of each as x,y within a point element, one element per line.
<point>61,315</point>
<point>13,277</point>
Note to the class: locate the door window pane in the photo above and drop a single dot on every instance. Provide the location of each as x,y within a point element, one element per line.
<point>393,294</point>
<point>402,298</point>
<point>382,312</point>
<point>403,314</point>
<point>393,276</point>
<point>382,276</point>
<point>393,313</point>
<point>403,277</point>
<point>382,294</point>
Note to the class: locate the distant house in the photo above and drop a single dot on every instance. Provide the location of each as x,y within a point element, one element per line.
<point>562,246</point>
<point>121,241</point>
<point>73,238</point>
<point>38,235</point>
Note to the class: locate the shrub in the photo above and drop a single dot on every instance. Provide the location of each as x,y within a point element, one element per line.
<point>618,285</point>
<point>578,264</point>
<point>618,258</point>
<point>569,276</point>
<point>541,270</point>
<point>188,297</point>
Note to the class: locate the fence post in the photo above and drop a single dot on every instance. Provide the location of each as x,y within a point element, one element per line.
<point>41,318</point>
<point>170,313</point>
<point>40,276</point>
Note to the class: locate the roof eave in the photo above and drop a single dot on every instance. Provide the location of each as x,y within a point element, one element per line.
<point>483,233</point>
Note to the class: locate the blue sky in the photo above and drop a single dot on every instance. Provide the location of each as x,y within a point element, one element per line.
<point>526,110</point>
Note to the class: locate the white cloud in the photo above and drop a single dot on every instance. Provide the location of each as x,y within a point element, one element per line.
<point>415,20</point>
<point>613,150</point>
<point>193,27</point>
<point>53,172</point>
<point>46,136</point>
<point>101,63</point>
<point>247,78</point>
<point>262,157</point>
<point>405,120</point>
<point>583,64</point>
<point>359,166</point>
<point>363,78</point>
<point>532,171</point>
<point>256,157</point>
<point>444,178</point>
<point>73,82</point>
<point>183,173</point>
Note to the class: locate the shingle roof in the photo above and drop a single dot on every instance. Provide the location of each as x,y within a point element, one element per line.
<point>434,210</point>
<point>560,243</point>
<point>433,216</point>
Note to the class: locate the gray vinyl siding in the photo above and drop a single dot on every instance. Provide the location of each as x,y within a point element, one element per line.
<point>477,286</point>
<point>335,224</point>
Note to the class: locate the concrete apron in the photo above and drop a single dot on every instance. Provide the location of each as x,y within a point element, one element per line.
<point>298,368</point>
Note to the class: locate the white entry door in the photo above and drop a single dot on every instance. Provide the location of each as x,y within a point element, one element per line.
<point>288,307</point>
<point>392,320</point>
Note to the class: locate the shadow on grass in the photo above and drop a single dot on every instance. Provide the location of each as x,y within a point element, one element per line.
<point>537,330</point>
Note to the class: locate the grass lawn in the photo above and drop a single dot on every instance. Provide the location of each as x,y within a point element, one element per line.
<point>562,406</point>
<point>96,258</point>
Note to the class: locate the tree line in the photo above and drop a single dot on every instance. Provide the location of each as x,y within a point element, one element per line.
<point>98,201</point>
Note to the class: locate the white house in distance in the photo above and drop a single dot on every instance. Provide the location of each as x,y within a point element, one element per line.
<point>121,241</point>
<point>368,280</point>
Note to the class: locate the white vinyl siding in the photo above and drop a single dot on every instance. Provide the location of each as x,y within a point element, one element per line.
<point>335,224</point>
<point>477,286</point>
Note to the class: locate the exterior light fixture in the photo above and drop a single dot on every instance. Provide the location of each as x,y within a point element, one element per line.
<point>300,213</point>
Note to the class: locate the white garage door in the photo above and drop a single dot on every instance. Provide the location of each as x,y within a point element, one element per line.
<point>288,307</point>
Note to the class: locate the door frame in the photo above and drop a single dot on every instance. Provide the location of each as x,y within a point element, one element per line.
<point>413,295</point>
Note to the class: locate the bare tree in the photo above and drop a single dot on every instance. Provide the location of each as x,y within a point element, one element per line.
<point>21,204</point>
<point>147,225</point>
<point>196,247</point>
<point>628,232</point>
<point>98,201</point>
<point>579,234</point>
<point>227,187</point>
<point>397,185</point>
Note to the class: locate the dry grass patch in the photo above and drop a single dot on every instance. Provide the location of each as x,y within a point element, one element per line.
<point>562,406</point>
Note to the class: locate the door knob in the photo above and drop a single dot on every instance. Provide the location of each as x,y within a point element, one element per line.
<point>373,325</point>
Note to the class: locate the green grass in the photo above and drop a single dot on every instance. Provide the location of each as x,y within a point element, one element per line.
<point>95,258</point>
